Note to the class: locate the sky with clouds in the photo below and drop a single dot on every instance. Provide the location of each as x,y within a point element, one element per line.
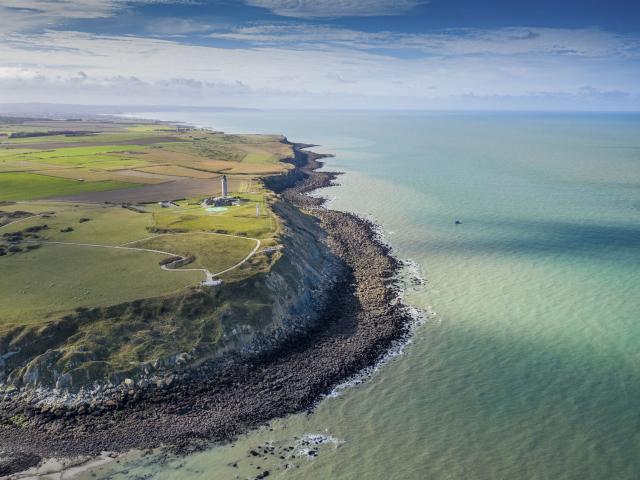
<point>427,54</point>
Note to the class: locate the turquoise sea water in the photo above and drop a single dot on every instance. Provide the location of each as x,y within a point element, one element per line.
<point>530,367</point>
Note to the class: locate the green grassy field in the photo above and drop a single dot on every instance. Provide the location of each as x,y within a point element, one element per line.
<point>55,279</point>
<point>14,152</point>
<point>260,157</point>
<point>107,225</point>
<point>46,282</point>
<point>29,186</point>
<point>94,138</point>
<point>70,153</point>
<point>240,220</point>
<point>213,252</point>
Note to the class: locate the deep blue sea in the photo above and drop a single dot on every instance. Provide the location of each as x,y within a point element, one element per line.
<point>528,362</point>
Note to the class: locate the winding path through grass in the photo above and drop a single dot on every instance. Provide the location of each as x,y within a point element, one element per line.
<point>19,220</point>
<point>209,277</point>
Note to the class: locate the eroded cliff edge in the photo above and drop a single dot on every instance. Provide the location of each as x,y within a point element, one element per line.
<point>231,322</point>
<point>294,363</point>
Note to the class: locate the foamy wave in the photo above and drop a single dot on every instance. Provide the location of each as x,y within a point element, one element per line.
<point>419,317</point>
<point>411,275</point>
<point>307,445</point>
<point>413,272</point>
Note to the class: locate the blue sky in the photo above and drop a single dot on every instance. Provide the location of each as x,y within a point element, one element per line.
<point>437,54</point>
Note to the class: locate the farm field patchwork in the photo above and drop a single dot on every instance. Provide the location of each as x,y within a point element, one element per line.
<point>36,162</point>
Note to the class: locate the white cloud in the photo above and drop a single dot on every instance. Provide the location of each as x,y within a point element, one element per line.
<point>33,81</point>
<point>336,8</point>
<point>177,26</point>
<point>85,68</point>
<point>24,15</point>
<point>502,41</point>
<point>309,63</point>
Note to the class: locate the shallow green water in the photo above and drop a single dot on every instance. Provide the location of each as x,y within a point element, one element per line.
<point>530,367</point>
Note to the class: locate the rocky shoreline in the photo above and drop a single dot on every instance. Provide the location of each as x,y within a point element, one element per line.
<point>362,320</point>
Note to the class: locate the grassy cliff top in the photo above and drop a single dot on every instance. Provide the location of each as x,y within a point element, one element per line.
<point>63,250</point>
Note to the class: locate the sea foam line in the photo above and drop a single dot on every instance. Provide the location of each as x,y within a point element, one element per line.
<point>418,317</point>
<point>397,348</point>
<point>410,273</point>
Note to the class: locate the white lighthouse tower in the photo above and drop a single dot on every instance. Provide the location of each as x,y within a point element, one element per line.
<point>225,190</point>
